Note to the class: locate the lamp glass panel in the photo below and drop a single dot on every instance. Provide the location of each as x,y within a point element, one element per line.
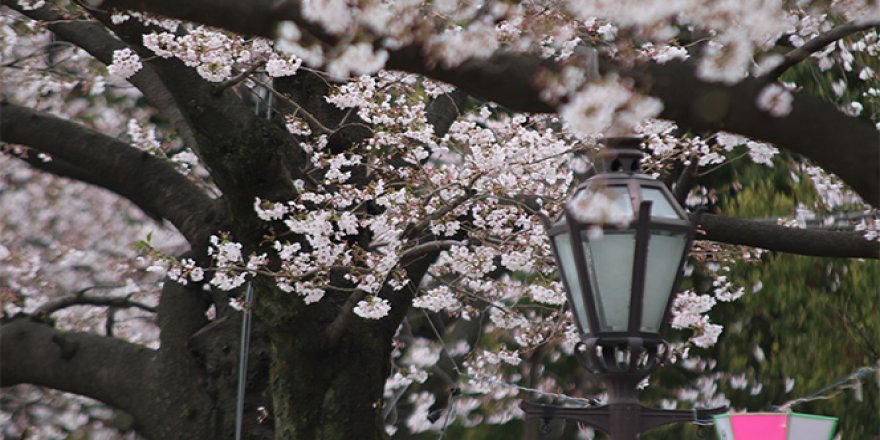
<point>661,206</point>
<point>723,427</point>
<point>569,271</point>
<point>619,203</point>
<point>621,200</point>
<point>664,255</point>
<point>807,427</point>
<point>610,264</point>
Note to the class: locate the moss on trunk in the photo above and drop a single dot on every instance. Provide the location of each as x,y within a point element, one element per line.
<point>321,393</point>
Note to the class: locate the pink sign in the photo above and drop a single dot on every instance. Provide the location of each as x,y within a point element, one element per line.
<point>759,426</point>
<point>774,426</point>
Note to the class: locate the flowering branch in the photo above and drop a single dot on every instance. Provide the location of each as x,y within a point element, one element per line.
<point>510,80</point>
<point>258,17</point>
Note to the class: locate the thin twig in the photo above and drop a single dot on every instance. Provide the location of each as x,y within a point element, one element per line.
<point>849,324</point>
<point>716,168</point>
<point>337,328</point>
<point>237,78</point>
<point>81,299</point>
<point>686,181</point>
<point>296,105</point>
<point>413,229</point>
<point>442,343</point>
<point>431,246</point>
<point>111,320</point>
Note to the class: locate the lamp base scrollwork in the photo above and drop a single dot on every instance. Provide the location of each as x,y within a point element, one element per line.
<point>622,363</point>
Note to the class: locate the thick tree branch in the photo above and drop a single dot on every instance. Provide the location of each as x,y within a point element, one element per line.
<point>846,146</point>
<point>248,156</point>
<point>94,38</point>
<point>337,328</point>
<point>816,44</point>
<point>62,168</point>
<point>485,78</point>
<point>245,160</point>
<point>181,314</point>
<point>146,180</point>
<point>443,110</point>
<point>252,17</point>
<point>166,392</point>
<point>107,369</point>
<point>685,182</point>
<point>811,242</point>
<point>510,79</point>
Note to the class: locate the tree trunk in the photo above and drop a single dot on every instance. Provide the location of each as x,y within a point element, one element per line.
<point>328,393</point>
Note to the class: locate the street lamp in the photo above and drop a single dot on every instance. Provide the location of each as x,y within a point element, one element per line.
<point>620,244</point>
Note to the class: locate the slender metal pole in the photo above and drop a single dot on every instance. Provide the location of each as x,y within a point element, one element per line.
<point>242,360</point>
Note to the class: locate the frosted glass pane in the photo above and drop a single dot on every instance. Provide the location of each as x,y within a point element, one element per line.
<point>661,206</point>
<point>810,428</point>
<point>600,205</point>
<point>621,200</point>
<point>723,428</point>
<point>569,271</point>
<point>610,261</point>
<point>664,254</point>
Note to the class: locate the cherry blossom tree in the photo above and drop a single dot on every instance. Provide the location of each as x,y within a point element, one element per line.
<point>377,173</point>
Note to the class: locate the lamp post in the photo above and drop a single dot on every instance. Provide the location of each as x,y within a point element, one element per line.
<point>620,244</point>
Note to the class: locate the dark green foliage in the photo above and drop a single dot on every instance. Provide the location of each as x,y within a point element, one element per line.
<point>814,319</point>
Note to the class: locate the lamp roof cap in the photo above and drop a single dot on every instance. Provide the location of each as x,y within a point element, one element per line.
<point>621,155</point>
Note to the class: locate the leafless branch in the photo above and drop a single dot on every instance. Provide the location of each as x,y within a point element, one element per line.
<point>337,328</point>
<point>87,364</point>
<point>238,78</point>
<point>431,246</point>
<point>148,181</point>
<point>810,242</point>
<point>686,181</point>
<point>81,299</point>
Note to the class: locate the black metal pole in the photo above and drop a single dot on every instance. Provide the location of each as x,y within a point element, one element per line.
<point>623,405</point>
